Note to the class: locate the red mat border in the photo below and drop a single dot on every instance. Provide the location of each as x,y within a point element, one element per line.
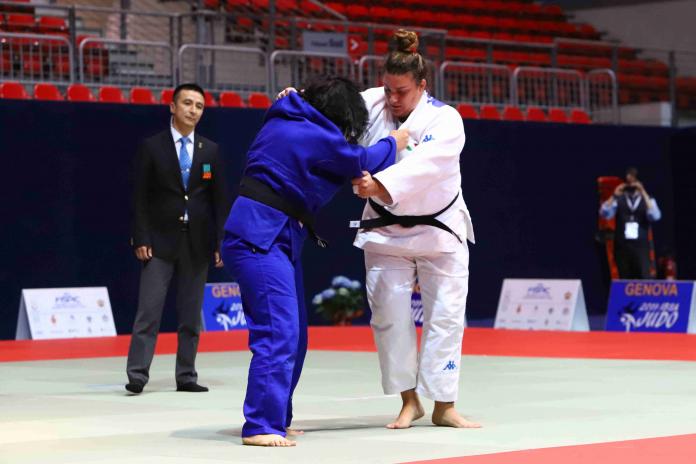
<point>678,449</point>
<point>477,341</point>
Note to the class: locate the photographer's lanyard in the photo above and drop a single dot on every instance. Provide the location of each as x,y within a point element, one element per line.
<point>631,229</point>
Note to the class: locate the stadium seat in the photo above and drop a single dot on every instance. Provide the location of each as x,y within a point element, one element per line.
<point>110,94</point>
<point>5,63</point>
<point>32,66</point>
<point>52,25</point>
<point>47,92</point>
<point>558,115</point>
<point>166,96</point>
<point>13,90</point>
<point>579,116</point>
<point>209,99</point>
<point>259,100</point>
<point>467,111</point>
<point>513,113</point>
<point>231,100</point>
<point>489,112</point>
<point>79,93</point>
<point>535,114</point>
<point>142,96</point>
<point>60,65</point>
<point>20,22</point>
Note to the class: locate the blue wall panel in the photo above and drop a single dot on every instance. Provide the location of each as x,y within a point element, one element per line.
<point>531,189</point>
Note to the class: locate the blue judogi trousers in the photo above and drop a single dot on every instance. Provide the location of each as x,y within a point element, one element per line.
<point>273,299</point>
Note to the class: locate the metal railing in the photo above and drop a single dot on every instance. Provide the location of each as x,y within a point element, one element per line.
<point>293,68</point>
<point>475,83</point>
<point>548,87</point>
<point>668,77</point>
<point>33,58</point>
<point>602,94</point>
<point>126,63</point>
<point>224,67</point>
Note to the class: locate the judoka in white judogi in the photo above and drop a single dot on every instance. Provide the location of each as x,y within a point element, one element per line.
<point>425,179</point>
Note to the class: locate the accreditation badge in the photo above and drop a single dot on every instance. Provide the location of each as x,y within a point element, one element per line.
<point>207,173</point>
<point>631,231</point>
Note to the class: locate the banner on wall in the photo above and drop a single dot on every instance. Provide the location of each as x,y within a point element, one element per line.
<point>652,306</point>
<point>52,313</point>
<point>222,307</point>
<point>542,304</point>
<point>324,42</point>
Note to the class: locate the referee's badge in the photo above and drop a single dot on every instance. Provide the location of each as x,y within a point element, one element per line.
<point>207,173</point>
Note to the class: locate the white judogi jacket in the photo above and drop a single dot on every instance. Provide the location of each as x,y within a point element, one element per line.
<point>423,181</point>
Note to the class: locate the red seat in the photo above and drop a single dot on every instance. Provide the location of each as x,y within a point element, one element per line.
<point>579,116</point>
<point>489,112</point>
<point>259,100</point>
<point>61,65</point>
<point>51,25</point>
<point>513,113</point>
<point>558,115</point>
<point>79,93</point>
<point>467,111</point>
<point>110,94</point>
<point>32,66</point>
<point>166,96</point>
<point>231,100</point>
<point>47,92</point>
<point>82,38</point>
<point>142,96</point>
<point>209,99</point>
<point>13,90</point>
<point>5,63</point>
<point>536,114</point>
<point>95,67</point>
<point>21,22</point>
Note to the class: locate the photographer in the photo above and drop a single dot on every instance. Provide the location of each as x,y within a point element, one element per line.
<point>634,210</point>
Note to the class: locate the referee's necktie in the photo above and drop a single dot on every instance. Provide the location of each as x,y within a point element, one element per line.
<point>184,161</point>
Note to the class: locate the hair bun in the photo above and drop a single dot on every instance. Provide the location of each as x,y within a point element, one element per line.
<point>404,41</point>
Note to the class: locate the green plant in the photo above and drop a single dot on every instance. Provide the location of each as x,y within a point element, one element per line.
<point>342,302</point>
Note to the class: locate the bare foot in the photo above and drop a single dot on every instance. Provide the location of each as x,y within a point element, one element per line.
<point>294,432</point>
<point>445,415</point>
<point>411,410</point>
<point>268,440</point>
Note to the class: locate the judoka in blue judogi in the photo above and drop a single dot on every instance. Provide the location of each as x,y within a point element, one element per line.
<point>298,161</point>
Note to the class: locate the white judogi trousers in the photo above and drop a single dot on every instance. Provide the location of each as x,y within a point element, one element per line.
<point>444,283</point>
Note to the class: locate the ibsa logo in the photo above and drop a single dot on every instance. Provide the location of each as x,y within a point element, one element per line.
<point>66,300</point>
<point>649,315</point>
<point>651,289</point>
<point>539,291</point>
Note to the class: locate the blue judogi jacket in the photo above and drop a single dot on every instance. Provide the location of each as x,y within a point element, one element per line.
<point>304,157</point>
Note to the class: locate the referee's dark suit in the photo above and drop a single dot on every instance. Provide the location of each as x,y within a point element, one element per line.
<point>179,230</point>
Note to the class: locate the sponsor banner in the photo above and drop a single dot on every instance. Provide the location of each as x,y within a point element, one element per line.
<point>651,306</point>
<point>542,304</point>
<point>325,42</point>
<point>222,307</point>
<point>51,313</point>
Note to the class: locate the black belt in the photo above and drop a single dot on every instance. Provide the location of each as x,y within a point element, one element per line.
<point>258,191</point>
<point>387,219</point>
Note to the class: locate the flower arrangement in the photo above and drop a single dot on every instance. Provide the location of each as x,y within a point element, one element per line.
<point>342,302</point>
